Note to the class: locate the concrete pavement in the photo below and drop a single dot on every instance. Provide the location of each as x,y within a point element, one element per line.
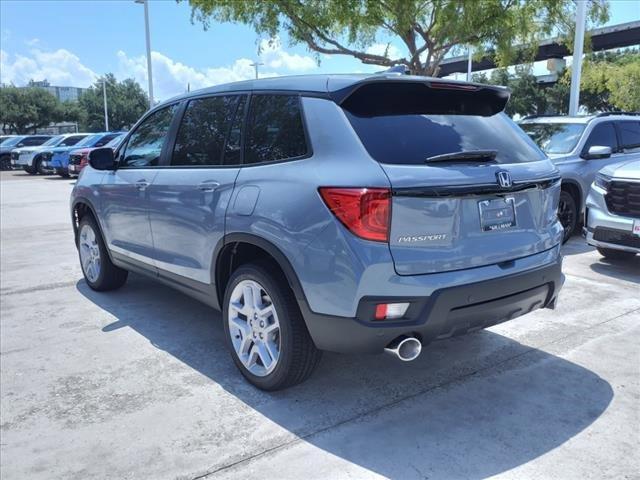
<point>137,383</point>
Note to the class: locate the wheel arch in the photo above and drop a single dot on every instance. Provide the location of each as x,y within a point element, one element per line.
<point>250,247</point>
<point>575,190</point>
<point>82,206</point>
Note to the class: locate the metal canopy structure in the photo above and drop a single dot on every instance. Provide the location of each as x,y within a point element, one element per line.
<point>605,38</point>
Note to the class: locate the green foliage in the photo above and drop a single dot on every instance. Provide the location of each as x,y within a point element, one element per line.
<point>126,103</point>
<point>427,29</point>
<point>609,82</point>
<point>23,110</point>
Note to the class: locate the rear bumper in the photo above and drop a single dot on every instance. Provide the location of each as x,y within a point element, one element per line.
<point>446,312</point>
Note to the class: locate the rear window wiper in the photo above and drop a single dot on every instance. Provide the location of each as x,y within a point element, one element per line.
<point>476,155</point>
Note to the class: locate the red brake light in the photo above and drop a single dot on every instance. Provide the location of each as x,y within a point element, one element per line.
<point>84,160</point>
<point>366,212</point>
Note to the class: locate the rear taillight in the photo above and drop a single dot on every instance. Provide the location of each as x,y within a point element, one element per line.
<point>84,160</point>
<point>366,212</point>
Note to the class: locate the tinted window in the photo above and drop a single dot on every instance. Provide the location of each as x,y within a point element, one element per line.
<point>204,127</point>
<point>33,141</point>
<point>146,142</point>
<point>411,139</point>
<point>105,139</point>
<point>69,141</point>
<point>274,130</point>
<point>554,137</point>
<point>630,135</point>
<point>602,135</point>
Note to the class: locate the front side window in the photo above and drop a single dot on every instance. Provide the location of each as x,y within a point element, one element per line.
<point>146,142</point>
<point>34,141</point>
<point>602,135</point>
<point>630,136</point>
<point>274,130</point>
<point>204,127</point>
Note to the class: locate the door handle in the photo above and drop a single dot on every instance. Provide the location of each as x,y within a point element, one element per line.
<point>208,186</point>
<point>142,184</point>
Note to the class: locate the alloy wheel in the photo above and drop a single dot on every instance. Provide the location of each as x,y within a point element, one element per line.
<point>90,253</point>
<point>254,327</point>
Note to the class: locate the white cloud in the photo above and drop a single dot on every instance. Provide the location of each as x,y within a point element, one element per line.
<point>171,78</point>
<point>60,67</point>
<point>389,50</point>
<point>274,56</point>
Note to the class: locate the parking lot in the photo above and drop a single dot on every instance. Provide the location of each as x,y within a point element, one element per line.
<point>137,383</point>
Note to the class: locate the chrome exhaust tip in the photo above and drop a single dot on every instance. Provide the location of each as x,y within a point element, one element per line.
<point>405,348</point>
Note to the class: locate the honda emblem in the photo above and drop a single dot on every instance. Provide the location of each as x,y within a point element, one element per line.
<point>504,179</point>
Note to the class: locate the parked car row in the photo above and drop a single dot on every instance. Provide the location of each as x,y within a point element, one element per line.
<point>41,154</point>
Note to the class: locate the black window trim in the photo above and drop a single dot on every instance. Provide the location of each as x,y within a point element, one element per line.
<point>125,143</point>
<point>180,114</point>
<point>307,140</point>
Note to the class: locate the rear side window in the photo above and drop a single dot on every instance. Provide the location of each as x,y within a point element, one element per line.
<point>145,144</point>
<point>204,128</point>
<point>602,135</point>
<point>630,135</point>
<point>410,139</point>
<point>274,130</point>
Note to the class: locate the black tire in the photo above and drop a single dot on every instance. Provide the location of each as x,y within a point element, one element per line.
<point>567,214</point>
<point>5,162</point>
<point>38,167</point>
<point>110,277</point>
<point>29,170</point>
<point>612,254</point>
<point>298,356</point>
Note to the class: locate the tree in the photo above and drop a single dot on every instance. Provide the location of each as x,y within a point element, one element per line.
<point>24,110</point>
<point>126,102</point>
<point>427,29</point>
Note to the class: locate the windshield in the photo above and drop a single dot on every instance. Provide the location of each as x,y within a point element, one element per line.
<point>88,141</point>
<point>53,141</point>
<point>412,139</point>
<point>115,141</point>
<point>7,142</point>
<point>554,138</point>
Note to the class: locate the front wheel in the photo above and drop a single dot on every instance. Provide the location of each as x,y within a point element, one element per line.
<point>612,254</point>
<point>39,168</point>
<point>99,272</point>
<point>567,214</point>
<point>264,329</point>
<point>5,162</point>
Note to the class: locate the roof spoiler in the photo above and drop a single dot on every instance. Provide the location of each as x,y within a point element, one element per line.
<point>382,95</point>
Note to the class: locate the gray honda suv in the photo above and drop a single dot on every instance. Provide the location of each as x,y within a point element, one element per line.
<point>341,213</point>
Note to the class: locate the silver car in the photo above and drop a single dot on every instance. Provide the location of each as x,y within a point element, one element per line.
<point>579,147</point>
<point>612,219</point>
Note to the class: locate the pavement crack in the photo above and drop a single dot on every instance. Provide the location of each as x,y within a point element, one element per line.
<point>39,288</point>
<point>397,401</point>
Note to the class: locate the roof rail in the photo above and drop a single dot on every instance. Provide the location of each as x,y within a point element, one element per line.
<point>607,114</point>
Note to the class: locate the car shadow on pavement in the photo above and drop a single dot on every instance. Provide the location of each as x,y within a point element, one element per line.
<point>627,269</point>
<point>576,245</point>
<point>470,407</point>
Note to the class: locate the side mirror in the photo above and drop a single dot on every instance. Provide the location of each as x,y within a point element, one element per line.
<point>102,159</point>
<point>598,151</point>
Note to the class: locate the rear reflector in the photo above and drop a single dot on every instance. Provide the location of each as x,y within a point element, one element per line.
<point>388,311</point>
<point>364,211</point>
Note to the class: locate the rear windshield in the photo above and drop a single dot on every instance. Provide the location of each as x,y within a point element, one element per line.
<point>411,139</point>
<point>555,138</point>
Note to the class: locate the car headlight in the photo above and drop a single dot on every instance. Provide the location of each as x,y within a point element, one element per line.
<point>602,181</point>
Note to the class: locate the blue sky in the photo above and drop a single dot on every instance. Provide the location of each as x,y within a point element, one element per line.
<point>70,42</point>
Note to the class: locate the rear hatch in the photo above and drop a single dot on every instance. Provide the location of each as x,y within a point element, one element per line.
<point>469,188</point>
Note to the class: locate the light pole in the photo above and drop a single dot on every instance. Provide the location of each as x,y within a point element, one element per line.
<point>576,65</point>
<point>469,60</point>
<point>148,38</point>
<point>255,65</point>
<point>106,112</point>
